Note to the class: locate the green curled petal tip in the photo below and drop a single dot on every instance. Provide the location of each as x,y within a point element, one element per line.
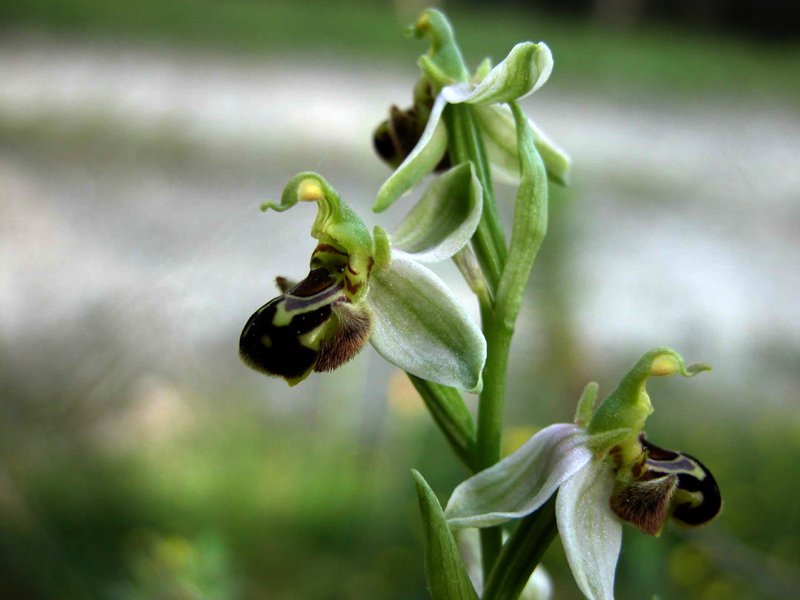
<point>628,405</point>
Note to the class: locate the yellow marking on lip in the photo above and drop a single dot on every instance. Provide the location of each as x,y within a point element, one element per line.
<point>309,191</point>
<point>663,366</point>
<point>266,341</point>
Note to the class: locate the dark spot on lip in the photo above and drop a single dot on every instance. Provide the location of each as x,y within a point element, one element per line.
<point>285,356</point>
<point>317,280</point>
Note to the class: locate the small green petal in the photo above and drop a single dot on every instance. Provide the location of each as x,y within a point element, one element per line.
<point>628,406</point>
<point>422,327</point>
<point>526,68</point>
<point>483,69</point>
<point>383,250</point>
<point>586,404</point>
<point>445,218</point>
<point>423,159</point>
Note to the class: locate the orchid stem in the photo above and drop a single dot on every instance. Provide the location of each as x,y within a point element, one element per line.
<point>488,240</point>
<point>490,250</point>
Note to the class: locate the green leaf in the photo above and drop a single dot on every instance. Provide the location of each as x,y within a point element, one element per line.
<point>451,415</point>
<point>526,68</point>
<point>420,162</point>
<point>444,219</point>
<point>422,327</point>
<point>447,577</point>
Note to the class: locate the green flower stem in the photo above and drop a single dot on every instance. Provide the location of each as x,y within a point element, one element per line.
<point>451,415</point>
<point>465,144</point>
<point>490,250</point>
<point>530,226</point>
<point>490,417</point>
<point>522,552</point>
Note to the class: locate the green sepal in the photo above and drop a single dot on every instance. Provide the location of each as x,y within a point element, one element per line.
<point>445,218</point>
<point>432,72</point>
<point>483,69</point>
<point>444,55</point>
<point>526,68</point>
<point>420,162</point>
<point>444,570</point>
<point>336,225</point>
<point>500,138</point>
<point>628,405</point>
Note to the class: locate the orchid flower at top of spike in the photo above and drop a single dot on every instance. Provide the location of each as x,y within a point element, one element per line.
<point>361,289</point>
<point>605,473</point>
<point>418,136</point>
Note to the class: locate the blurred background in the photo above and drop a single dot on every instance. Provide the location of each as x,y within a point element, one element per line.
<point>140,459</point>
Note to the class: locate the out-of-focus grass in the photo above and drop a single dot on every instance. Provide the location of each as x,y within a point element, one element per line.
<point>647,59</point>
<point>248,505</point>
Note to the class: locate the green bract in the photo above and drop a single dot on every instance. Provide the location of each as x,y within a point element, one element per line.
<point>605,473</point>
<point>360,289</point>
<point>525,69</point>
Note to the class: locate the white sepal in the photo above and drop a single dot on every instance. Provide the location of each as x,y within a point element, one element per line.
<point>444,219</point>
<point>521,482</point>
<point>422,327</point>
<point>423,159</point>
<point>526,68</point>
<point>590,532</point>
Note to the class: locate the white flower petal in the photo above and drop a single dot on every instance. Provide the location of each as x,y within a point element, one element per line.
<point>444,219</point>
<point>526,68</point>
<point>590,532</point>
<point>423,159</point>
<point>420,325</point>
<point>522,482</point>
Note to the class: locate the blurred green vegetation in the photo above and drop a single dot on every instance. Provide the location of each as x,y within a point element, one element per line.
<point>249,505</point>
<point>645,60</point>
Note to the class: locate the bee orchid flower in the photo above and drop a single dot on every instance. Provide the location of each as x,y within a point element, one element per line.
<point>361,288</point>
<point>417,139</point>
<point>605,473</point>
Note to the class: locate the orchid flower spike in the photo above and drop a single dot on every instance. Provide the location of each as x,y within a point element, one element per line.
<point>605,473</point>
<point>415,141</point>
<point>361,289</point>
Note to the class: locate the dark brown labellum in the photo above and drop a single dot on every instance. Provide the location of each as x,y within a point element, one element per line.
<point>668,484</point>
<point>275,342</point>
